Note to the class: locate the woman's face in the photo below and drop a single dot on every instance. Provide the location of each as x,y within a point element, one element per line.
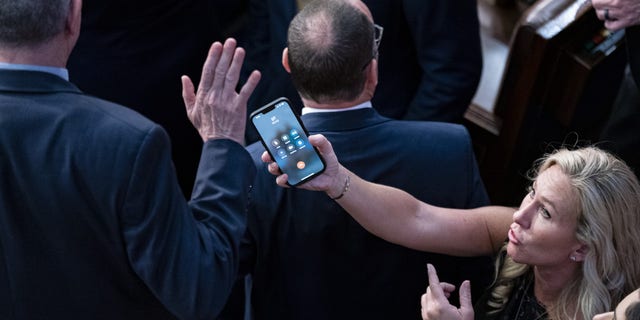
<point>543,232</point>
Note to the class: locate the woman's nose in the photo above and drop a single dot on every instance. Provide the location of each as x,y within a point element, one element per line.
<point>524,214</point>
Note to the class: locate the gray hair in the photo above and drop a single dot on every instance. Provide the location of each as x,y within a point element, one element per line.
<point>31,22</point>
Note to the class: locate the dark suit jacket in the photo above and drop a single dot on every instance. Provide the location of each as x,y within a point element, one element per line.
<point>620,133</point>
<point>310,260</point>
<point>134,52</point>
<point>93,224</point>
<point>430,58</point>
<point>633,48</point>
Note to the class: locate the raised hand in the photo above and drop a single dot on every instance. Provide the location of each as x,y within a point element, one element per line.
<point>435,303</point>
<point>216,110</point>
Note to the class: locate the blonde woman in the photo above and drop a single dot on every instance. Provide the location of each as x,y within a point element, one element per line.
<point>572,245</point>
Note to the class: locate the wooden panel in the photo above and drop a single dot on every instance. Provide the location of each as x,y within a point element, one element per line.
<point>556,86</point>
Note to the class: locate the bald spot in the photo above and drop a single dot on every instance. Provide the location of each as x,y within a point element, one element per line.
<point>319,32</point>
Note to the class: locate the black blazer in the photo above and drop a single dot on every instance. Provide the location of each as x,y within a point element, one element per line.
<point>430,58</point>
<point>93,224</point>
<point>310,260</point>
<point>633,48</point>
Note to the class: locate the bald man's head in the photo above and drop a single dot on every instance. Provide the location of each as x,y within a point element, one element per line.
<point>330,43</point>
<point>358,4</point>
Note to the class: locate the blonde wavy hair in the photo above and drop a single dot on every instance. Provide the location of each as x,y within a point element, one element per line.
<point>608,223</point>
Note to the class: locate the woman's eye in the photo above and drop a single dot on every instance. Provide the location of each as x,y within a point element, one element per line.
<point>544,212</point>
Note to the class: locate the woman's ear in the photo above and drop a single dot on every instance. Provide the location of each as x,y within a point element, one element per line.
<point>579,253</point>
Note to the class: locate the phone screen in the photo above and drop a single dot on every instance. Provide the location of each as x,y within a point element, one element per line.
<point>285,138</point>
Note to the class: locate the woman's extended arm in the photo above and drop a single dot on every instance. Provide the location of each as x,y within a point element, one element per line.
<point>398,217</point>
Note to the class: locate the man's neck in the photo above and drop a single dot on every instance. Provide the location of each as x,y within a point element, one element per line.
<point>334,105</point>
<point>41,55</point>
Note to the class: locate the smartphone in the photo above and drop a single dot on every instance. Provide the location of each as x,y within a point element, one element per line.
<point>286,140</point>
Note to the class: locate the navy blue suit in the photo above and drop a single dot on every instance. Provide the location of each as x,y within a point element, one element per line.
<point>430,57</point>
<point>93,224</point>
<point>311,260</point>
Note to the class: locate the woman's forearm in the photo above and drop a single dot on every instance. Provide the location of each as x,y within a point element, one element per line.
<point>400,218</point>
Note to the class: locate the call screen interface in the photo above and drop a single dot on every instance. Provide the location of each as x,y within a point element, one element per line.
<point>287,142</point>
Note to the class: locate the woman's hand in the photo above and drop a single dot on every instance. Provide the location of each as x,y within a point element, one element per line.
<point>331,181</point>
<point>435,303</point>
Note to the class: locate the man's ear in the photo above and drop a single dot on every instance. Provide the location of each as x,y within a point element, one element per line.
<point>372,75</point>
<point>285,59</point>
<point>74,19</point>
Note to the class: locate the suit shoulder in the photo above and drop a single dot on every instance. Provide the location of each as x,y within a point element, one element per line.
<point>441,130</point>
<point>109,126</point>
<point>110,114</point>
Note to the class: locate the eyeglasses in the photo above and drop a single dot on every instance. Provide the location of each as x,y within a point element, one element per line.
<point>377,38</point>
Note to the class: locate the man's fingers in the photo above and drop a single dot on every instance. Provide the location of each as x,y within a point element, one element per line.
<point>228,51</point>
<point>249,86</point>
<point>188,95</point>
<point>206,79</point>
<point>233,74</point>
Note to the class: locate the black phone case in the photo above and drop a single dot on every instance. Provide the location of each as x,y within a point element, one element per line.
<point>268,108</point>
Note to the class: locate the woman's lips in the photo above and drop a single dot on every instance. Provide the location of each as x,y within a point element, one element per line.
<point>512,237</point>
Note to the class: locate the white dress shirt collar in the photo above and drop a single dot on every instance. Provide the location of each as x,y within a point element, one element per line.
<point>60,72</point>
<point>363,105</point>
